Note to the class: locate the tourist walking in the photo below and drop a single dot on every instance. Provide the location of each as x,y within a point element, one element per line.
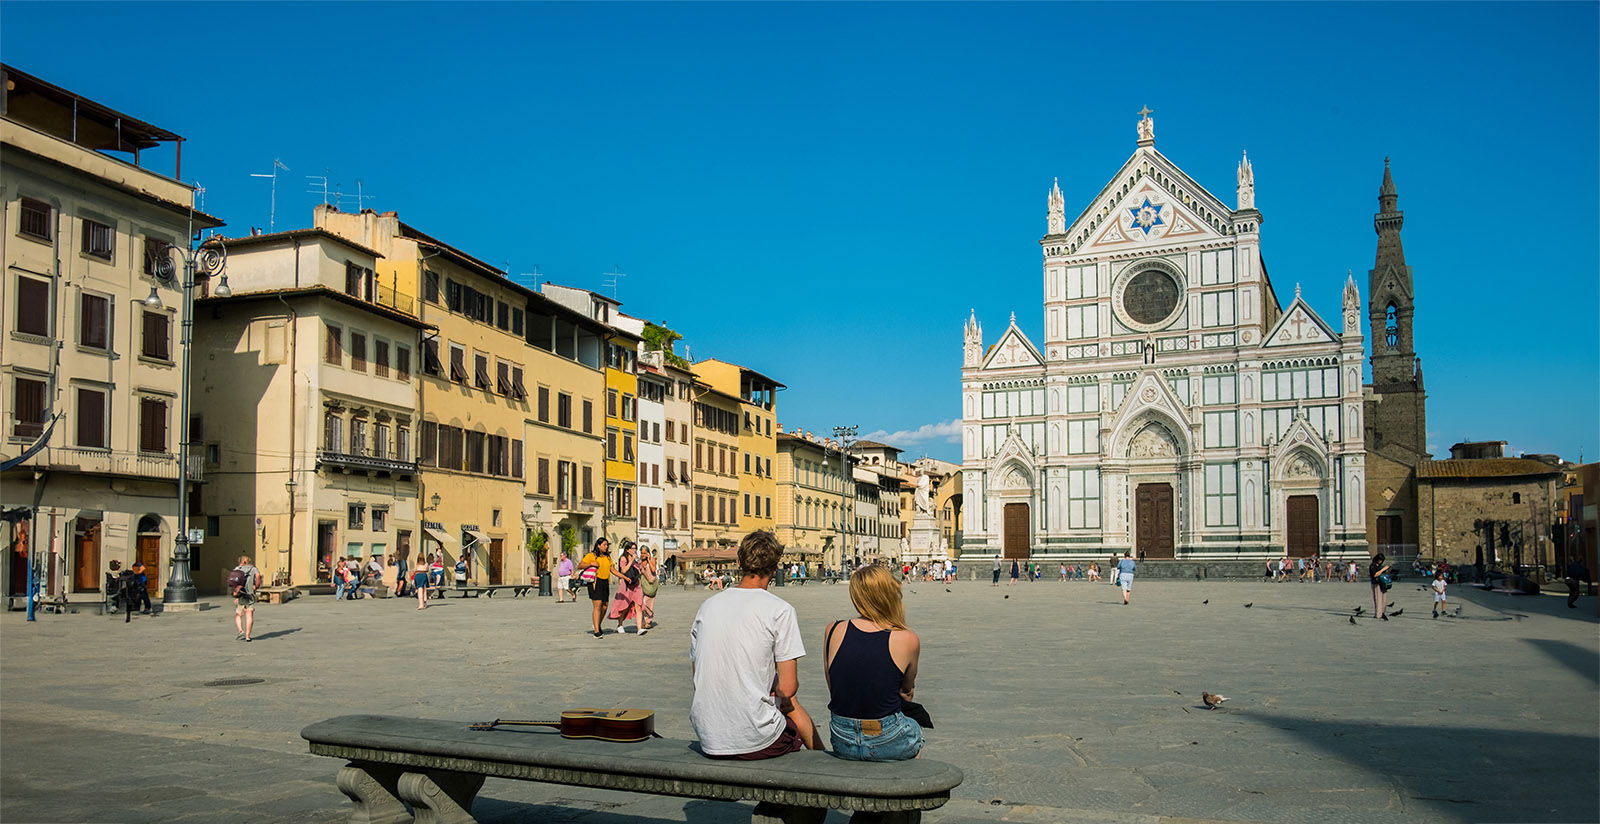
<point>871,666</point>
<point>996,581</point>
<point>1378,574</point>
<point>141,589</point>
<point>1577,574</point>
<point>650,583</point>
<point>1125,577</point>
<point>599,560</point>
<point>564,578</point>
<point>1015,571</point>
<point>402,565</point>
<point>626,603</point>
<point>244,600</point>
<point>745,646</point>
<point>1440,604</point>
<point>420,580</point>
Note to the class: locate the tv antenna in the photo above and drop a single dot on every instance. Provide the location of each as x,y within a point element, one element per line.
<point>361,196</point>
<point>319,185</point>
<point>613,278</point>
<point>272,211</point>
<point>199,197</point>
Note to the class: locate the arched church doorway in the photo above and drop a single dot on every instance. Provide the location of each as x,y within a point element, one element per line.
<point>1302,517</point>
<point>1015,536</point>
<point>147,550</point>
<point>1153,521</point>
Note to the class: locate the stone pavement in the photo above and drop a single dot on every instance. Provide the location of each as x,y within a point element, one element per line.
<point>1058,702</point>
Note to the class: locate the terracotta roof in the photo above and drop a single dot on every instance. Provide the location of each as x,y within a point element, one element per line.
<point>1484,468</point>
<point>876,445</point>
<point>291,234</point>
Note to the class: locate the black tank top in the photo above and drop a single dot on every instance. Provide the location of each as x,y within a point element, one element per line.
<point>863,677</point>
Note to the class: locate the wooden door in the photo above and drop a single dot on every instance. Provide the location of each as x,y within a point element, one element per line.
<point>496,558</point>
<point>1015,536</point>
<point>149,553</point>
<point>1388,531</point>
<point>1153,521</point>
<point>325,536</point>
<point>1303,527</point>
<point>19,559</point>
<point>86,556</point>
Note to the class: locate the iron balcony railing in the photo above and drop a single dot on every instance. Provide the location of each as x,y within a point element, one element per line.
<point>136,464</point>
<point>365,463</point>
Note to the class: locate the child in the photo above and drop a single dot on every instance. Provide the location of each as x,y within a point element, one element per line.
<point>1439,604</point>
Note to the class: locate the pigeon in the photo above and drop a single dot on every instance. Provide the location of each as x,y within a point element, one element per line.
<point>1358,610</point>
<point>1397,612</point>
<point>1206,601</point>
<point>1249,605</point>
<point>1458,612</point>
<point>1352,620</point>
<point>946,589</point>
<point>1212,701</point>
<point>1008,597</point>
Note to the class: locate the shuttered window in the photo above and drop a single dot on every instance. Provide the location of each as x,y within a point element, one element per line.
<point>358,351</point>
<point>27,407</point>
<point>544,476</point>
<point>94,321</point>
<point>157,257</point>
<point>380,358</point>
<point>333,352</point>
<point>152,425</point>
<point>35,219</point>
<point>33,306</point>
<point>91,409</point>
<point>98,239</point>
<point>157,342</point>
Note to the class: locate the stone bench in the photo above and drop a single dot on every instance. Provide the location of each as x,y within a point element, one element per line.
<point>276,595</point>
<point>517,590</point>
<point>438,767</point>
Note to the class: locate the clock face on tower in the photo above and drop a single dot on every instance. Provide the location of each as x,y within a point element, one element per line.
<point>1150,297</point>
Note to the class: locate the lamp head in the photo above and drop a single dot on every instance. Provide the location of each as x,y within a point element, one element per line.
<point>222,290</point>
<point>153,300</point>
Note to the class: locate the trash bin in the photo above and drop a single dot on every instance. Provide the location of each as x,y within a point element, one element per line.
<point>544,584</point>
<point>779,578</point>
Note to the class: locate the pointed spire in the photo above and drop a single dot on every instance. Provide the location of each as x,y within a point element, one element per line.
<point>1247,183</point>
<point>1013,318</point>
<point>1056,220</point>
<point>1388,197</point>
<point>1352,296</point>
<point>1297,290</point>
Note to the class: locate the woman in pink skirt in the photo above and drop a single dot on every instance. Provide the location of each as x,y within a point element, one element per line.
<point>629,599</point>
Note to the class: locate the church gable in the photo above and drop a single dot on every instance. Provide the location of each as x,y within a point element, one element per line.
<point>1391,283</point>
<point>1149,199</point>
<point>1299,325</point>
<point>1013,350</point>
<point>1150,397</point>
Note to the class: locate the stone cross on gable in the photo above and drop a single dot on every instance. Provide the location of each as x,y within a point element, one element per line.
<point>1298,322</point>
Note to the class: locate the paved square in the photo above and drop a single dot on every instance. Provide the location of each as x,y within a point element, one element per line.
<point>1059,703</point>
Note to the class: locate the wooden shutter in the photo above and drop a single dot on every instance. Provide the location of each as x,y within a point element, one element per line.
<point>544,476</point>
<point>92,321</point>
<point>91,418</point>
<point>152,425</point>
<point>33,307</point>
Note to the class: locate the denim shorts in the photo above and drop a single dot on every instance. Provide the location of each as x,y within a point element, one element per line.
<point>899,739</point>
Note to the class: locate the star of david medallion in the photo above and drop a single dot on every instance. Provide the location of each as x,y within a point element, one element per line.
<point>1146,216</point>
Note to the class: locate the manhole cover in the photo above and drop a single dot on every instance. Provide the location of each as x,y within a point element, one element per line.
<point>235,682</point>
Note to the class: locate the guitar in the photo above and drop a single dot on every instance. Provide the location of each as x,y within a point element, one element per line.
<point>623,726</point>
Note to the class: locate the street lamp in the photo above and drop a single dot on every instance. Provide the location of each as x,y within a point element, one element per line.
<point>209,259</point>
<point>845,436</point>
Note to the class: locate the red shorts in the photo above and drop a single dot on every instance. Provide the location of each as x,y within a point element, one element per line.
<point>788,742</point>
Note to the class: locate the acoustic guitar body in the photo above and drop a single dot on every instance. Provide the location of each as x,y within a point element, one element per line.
<point>620,725</point>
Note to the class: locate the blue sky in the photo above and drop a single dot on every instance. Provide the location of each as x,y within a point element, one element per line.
<point>824,191</point>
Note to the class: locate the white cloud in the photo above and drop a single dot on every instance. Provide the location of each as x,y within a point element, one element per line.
<point>947,431</point>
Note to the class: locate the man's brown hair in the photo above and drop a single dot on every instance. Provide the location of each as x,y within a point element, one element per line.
<point>759,553</point>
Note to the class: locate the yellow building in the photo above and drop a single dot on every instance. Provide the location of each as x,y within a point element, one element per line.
<point>810,490</point>
<point>715,480</point>
<point>757,396</point>
<point>473,402</point>
<point>306,400</point>
<point>621,364</point>
<point>91,356</point>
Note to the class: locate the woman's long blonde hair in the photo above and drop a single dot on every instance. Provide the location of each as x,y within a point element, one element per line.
<point>876,595</point>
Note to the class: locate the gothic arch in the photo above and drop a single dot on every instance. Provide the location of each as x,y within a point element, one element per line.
<point>1013,475</point>
<point>1302,463</point>
<point>1158,424</point>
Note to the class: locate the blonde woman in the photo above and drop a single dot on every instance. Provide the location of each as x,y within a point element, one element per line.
<point>649,582</point>
<point>871,666</point>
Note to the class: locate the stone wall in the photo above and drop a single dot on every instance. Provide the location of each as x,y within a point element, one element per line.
<point>1450,507</point>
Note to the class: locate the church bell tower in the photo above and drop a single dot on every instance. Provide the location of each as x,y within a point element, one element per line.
<point>1391,295</point>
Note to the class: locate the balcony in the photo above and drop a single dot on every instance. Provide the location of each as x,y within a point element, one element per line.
<point>346,462</point>
<point>157,465</point>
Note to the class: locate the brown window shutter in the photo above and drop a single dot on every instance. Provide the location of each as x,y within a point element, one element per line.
<point>33,306</point>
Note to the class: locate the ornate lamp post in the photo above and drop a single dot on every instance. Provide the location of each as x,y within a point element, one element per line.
<point>208,259</point>
<point>845,436</point>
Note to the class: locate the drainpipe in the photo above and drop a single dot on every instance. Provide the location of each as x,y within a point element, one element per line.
<point>294,365</point>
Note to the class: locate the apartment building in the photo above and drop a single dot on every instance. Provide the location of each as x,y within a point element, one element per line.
<point>91,365</point>
<point>810,495</point>
<point>473,402</point>
<point>676,447</point>
<point>715,479</point>
<point>304,410</point>
<point>621,349</point>
<point>654,387</point>
<point>565,434</point>
<point>757,395</point>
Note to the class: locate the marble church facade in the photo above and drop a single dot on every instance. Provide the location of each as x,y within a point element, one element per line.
<point>1175,407</point>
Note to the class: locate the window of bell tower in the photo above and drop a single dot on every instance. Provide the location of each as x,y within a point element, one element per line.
<point>1391,327</point>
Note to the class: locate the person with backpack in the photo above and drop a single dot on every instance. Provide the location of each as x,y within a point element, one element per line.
<point>141,590</point>
<point>243,581</point>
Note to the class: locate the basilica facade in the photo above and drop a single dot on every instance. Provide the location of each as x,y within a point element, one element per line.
<point>1175,407</point>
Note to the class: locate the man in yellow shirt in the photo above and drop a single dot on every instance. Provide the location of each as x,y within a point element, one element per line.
<point>600,588</point>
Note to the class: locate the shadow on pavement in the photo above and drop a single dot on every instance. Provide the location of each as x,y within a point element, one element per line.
<point>1467,773</point>
<point>1582,660</point>
<point>275,633</point>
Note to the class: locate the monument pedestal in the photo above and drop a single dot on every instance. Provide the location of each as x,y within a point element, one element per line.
<point>923,541</point>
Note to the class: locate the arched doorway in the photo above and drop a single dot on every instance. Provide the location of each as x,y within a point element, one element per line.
<point>1152,530</point>
<point>147,550</point>
<point>1014,537</point>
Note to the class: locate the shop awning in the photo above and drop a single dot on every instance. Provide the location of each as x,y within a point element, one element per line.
<point>730,554</point>
<point>438,535</point>
<point>477,537</point>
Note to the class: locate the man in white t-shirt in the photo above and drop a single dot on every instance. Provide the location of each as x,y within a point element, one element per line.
<point>744,645</point>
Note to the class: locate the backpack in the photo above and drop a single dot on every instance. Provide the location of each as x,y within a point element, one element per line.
<point>238,582</point>
<point>129,584</point>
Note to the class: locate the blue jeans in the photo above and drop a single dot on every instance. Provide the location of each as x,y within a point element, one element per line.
<point>338,590</point>
<point>900,738</point>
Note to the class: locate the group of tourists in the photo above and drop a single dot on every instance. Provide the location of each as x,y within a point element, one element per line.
<point>636,576</point>
<point>942,571</point>
<point>745,644</point>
